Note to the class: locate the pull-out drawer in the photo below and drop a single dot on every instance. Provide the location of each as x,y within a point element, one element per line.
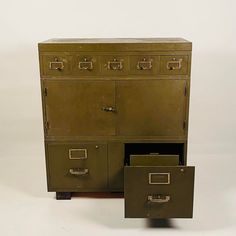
<point>144,65</point>
<point>114,65</point>
<point>56,64</point>
<point>174,65</point>
<point>77,166</point>
<point>85,64</point>
<point>158,191</point>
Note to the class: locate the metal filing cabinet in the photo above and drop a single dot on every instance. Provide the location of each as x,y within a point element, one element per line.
<point>115,117</point>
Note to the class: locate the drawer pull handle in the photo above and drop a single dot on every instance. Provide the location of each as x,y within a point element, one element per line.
<point>85,65</point>
<point>158,199</point>
<point>109,109</point>
<point>56,65</point>
<point>144,64</point>
<point>78,171</point>
<point>174,64</point>
<point>114,65</point>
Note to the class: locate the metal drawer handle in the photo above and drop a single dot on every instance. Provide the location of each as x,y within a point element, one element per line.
<point>174,64</point>
<point>56,64</point>
<point>109,109</point>
<point>159,199</point>
<point>78,171</point>
<point>114,65</point>
<point>144,64</point>
<point>85,65</point>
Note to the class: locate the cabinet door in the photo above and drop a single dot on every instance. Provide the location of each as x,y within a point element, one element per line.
<point>76,108</point>
<point>151,107</point>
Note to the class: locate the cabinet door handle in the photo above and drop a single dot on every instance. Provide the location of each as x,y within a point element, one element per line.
<point>158,199</point>
<point>78,171</point>
<point>109,109</point>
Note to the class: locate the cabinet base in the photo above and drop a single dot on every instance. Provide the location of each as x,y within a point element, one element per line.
<point>63,195</point>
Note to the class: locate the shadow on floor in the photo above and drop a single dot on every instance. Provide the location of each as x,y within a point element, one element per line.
<point>159,223</point>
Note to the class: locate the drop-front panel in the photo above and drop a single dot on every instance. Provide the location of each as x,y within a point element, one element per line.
<point>115,115</point>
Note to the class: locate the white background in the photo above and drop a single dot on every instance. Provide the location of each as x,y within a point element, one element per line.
<point>25,206</point>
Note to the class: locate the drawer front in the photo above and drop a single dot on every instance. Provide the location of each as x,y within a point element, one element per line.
<point>160,192</point>
<point>86,65</point>
<point>77,166</point>
<point>56,64</point>
<point>174,65</point>
<point>114,65</point>
<point>144,65</point>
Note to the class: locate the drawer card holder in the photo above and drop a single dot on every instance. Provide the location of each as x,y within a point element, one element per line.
<point>159,178</point>
<point>85,65</point>
<point>78,150</point>
<point>144,64</point>
<point>174,64</point>
<point>56,64</point>
<point>114,65</point>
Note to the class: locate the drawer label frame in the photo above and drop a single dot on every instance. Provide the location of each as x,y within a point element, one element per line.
<point>78,149</point>
<point>166,175</point>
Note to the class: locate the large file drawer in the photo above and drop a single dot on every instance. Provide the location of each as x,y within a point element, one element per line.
<point>77,166</point>
<point>158,191</point>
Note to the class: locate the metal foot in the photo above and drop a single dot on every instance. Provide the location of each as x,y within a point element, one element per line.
<point>63,195</point>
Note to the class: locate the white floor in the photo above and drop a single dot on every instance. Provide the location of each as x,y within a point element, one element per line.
<point>27,209</point>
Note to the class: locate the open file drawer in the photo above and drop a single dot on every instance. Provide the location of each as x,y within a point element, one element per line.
<point>158,191</point>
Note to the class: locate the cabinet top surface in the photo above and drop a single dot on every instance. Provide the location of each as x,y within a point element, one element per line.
<point>115,44</point>
<point>115,40</point>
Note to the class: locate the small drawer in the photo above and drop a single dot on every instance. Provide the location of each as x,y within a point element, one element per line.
<point>154,160</point>
<point>56,64</point>
<point>86,65</point>
<point>158,191</point>
<point>114,65</point>
<point>144,65</point>
<point>77,166</point>
<point>174,65</point>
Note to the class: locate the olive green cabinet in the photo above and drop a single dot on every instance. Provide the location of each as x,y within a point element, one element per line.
<point>115,115</point>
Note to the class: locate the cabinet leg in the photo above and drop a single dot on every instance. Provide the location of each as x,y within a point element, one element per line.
<point>63,195</point>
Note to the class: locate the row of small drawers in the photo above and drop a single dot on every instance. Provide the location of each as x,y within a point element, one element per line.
<point>64,64</point>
